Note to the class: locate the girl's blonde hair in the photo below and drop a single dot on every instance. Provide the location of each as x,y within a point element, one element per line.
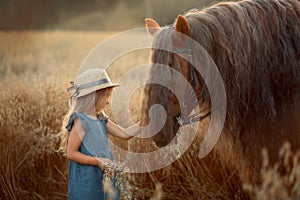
<point>84,104</point>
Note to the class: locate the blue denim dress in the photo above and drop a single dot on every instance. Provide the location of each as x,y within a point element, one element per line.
<point>85,181</point>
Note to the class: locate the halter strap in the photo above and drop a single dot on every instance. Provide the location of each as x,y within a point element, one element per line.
<point>192,76</point>
<point>194,118</point>
<point>185,50</point>
<point>182,51</point>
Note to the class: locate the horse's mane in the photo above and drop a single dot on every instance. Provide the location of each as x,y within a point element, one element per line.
<point>256,47</point>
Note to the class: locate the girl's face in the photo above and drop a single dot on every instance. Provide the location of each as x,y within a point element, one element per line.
<point>102,99</point>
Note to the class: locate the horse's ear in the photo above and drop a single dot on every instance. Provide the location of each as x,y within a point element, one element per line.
<point>151,26</point>
<point>182,25</point>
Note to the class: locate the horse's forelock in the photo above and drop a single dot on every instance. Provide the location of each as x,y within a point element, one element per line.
<point>161,59</point>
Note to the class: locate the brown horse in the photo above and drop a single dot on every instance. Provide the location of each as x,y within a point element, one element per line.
<point>256,46</point>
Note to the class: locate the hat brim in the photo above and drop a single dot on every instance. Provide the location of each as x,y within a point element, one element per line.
<point>93,89</point>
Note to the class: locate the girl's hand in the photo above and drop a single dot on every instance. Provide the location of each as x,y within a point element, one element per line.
<point>102,161</point>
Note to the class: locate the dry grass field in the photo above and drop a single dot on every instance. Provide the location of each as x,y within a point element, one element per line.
<point>36,67</point>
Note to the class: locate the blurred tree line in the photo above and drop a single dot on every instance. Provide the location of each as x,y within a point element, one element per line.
<point>91,14</point>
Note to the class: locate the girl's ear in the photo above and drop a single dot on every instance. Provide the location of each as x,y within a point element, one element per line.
<point>182,25</point>
<point>151,26</point>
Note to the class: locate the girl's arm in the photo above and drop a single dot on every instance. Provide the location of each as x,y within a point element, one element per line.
<point>123,133</point>
<point>75,138</point>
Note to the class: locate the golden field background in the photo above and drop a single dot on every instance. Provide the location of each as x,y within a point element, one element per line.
<point>36,67</point>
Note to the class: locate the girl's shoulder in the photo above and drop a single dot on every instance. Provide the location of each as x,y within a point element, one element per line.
<point>71,121</point>
<point>75,118</point>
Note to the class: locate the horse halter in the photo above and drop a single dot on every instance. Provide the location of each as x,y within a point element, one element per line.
<point>192,77</point>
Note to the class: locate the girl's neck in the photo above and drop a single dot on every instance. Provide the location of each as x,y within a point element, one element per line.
<point>94,114</point>
<point>97,112</point>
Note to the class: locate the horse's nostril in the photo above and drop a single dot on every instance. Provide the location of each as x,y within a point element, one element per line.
<point>160,142</point>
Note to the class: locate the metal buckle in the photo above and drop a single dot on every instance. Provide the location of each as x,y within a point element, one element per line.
<point>179,120</point>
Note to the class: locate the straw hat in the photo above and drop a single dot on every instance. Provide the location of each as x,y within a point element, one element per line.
<point>90,81</point>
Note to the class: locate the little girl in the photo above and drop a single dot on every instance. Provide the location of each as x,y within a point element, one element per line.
<point>85,138</point>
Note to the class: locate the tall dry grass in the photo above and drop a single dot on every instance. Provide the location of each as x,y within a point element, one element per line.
<point>188,177</point>
<point>281,180</point>
<point>30,115</point>
<point>35,68</point>
<point>208,178</point>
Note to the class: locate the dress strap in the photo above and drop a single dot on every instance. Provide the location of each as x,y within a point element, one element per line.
<point>72,118</point>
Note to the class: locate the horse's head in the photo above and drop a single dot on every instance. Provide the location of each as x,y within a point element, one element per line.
<point>176,58</point>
